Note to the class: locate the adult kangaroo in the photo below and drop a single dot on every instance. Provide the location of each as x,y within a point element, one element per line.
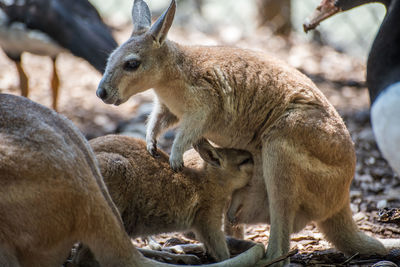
<point>303,154</point>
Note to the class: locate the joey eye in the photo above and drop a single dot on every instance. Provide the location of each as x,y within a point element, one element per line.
<point>246,161</point>
<point>131,65</point>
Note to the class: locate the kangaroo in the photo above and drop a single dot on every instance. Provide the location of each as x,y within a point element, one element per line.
<point>52,194</point>
<point>153,199</point>
<point>304,158</point>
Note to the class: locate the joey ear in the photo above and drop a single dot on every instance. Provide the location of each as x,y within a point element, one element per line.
<point>207,152</point>
<point>141,17</point>
<point>160,28</point>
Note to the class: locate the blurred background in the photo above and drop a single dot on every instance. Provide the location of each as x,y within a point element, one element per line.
<point>351,32</point>
<point>333,56</point>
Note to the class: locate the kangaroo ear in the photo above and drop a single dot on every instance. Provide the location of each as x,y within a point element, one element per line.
<point>207,152</point>
<point>141,17</point>
<point>160,28</point>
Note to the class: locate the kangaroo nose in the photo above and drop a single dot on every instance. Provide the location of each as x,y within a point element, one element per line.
<point>101,93</point>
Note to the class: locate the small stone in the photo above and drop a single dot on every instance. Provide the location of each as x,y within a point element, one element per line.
<point>388,233</point>
<point>355,194</point>
<point>359,216</point>
<point>354,208</point>
<point>367,135</point>
<point>363,207</point>
<point>378,172</point>
<point>382,204</point>
<point>365,178</point>
<point>370,161</point>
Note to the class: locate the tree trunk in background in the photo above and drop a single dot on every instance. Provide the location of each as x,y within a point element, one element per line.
<point>275,14</point>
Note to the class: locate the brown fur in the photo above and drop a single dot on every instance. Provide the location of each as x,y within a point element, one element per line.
<point>304,156</point>
<point>153,199</point>
<point>52,194</point>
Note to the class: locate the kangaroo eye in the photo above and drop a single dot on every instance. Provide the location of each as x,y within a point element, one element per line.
<point>131,65</point>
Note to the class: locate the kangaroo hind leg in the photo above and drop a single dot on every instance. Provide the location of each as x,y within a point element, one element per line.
<point>280,181</point>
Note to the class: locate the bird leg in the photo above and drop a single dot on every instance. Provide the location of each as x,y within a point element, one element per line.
<point>55,84</point>
<point>23,79</point>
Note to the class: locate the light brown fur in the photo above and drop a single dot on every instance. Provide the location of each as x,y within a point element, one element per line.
<point>304,156</point>
<point>52,194</point>
<point>154,199</point>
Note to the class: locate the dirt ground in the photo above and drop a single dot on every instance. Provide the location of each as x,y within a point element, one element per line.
<point>339,76</point>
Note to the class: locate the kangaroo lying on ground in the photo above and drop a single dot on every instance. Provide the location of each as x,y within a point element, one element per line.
<point>303,154</point>
<point>153,199</point>
<point>52,194</point>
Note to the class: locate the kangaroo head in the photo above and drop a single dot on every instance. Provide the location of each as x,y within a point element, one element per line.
<point>234,167</point>
<point>137,64</point>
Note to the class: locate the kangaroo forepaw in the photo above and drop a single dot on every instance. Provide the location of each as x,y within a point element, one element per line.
<point>176,164</point>
<point>152,148</point>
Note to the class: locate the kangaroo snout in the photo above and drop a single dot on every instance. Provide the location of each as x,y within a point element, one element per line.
<point>101,93</point>
<point>108,94</point>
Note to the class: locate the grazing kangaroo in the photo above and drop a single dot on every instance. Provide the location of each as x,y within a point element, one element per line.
<point>52,194</point>
<point>303,154</point>
<point>153,199</point>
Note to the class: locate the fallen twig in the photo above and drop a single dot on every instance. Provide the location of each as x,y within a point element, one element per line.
<point>350,259</point>
<point>281,258</point>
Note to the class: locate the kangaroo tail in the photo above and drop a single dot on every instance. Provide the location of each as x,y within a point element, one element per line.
<point>341,230</point>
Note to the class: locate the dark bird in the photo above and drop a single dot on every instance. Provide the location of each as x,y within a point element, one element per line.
<point>383,73</point>
<point>48,27</point>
